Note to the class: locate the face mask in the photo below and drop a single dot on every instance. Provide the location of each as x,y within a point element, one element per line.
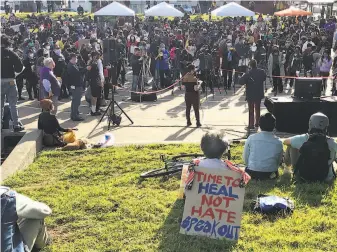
<point>47,47</point>
<point>119,41</point>
<point>57,51</point>
<point>74,61</point>
<point>31,44</point>
<point>229,44</point>
<point>50,42</point>
<point>31,55</point>
<point>97,47</point>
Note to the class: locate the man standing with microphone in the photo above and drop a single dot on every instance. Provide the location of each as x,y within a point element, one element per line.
<point>192,97</point>
<point>254,80</point>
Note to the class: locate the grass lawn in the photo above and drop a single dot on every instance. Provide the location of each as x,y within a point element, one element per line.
<point>100,204</point>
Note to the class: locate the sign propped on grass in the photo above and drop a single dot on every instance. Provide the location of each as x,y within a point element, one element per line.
<point>213,206</point>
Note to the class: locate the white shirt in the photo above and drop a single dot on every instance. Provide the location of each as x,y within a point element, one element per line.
<point>100,69</point>
<point>213,163</point>
<point>305,45</point>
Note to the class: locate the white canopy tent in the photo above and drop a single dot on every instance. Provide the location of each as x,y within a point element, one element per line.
<point>232,10</point>
<point>163,10</point>
<point>115,9</point>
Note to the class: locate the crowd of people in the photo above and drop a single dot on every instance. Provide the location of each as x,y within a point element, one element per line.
<point>64,57</point>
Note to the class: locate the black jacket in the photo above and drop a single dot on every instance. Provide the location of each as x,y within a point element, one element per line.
<point>254,80</point>
<point>28,72</point>
<point>10,63</point>
<point>60,65</point>
<point>75,76</point>
<point>136,64</point>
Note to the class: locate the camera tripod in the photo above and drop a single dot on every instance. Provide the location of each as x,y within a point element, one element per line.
<point>114,118</point>
<point>144,77</point>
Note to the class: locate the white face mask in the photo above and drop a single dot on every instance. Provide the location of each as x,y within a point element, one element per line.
<point>229,44</point>
<point>48,47</point>
<point>31,55</point>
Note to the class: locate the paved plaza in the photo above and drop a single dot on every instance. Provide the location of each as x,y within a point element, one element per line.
<point>160,121</point>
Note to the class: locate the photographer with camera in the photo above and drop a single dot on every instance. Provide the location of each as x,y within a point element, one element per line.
<point>205,67</point>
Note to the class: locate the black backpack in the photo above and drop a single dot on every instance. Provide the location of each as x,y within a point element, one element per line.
<point>313,162</point>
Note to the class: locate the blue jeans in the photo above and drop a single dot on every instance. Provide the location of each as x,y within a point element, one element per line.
<point>76,101</point>
<point>134,82</point>
<point>11,239</point>
<point>9,91</point>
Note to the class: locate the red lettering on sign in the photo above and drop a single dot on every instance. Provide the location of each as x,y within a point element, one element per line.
<point>228,180</point>
<point>220,211</point>
<point>199,176</point>
<point>207,200</point>
<point>219,179</point>
<point>228,200</point>
<point>196,210</point>
<point>230,216</point>
<point>209,212</point>
<point>211,178</point>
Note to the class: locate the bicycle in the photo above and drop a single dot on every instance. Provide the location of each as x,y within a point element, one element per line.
<point>176,163</point>
<point>172,166</point>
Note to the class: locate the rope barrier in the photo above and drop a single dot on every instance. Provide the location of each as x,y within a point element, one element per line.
<point>227,70</point>
<point>280,76</point>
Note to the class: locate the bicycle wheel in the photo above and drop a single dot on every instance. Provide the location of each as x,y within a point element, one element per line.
<point>162,172</point>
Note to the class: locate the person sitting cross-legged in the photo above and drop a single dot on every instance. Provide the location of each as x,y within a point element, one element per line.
<point>263,151</point>
<point>22,222</point>
<point>213,146</point>
<point>49,124</point>
<point>312,155</point>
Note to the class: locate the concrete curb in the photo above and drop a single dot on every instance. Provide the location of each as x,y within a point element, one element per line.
<point>23,154</point>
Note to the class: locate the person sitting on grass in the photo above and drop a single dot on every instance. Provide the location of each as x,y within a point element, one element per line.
<point>213,146</point>
<point>22,222</point>
<point>312,155</point>
<point>263,151</point>
<point>48,122</point>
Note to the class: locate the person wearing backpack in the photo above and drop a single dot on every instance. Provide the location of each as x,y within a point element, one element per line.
<point>312,154</point>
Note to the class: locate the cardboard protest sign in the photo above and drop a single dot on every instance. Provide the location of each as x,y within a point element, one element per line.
<point>213,206</point>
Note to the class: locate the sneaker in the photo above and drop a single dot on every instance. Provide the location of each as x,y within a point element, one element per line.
<point>188,124</point>
<point>95,114</point>
<point>31,98</point>
<point>77,119</point>
<point>198,124</point>
<point>21,99</point>
<point>250,128</point>
<point>19,128</point>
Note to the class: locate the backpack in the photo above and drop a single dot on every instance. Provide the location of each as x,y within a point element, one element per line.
<point>313,162</point>
<point>271,204</point>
